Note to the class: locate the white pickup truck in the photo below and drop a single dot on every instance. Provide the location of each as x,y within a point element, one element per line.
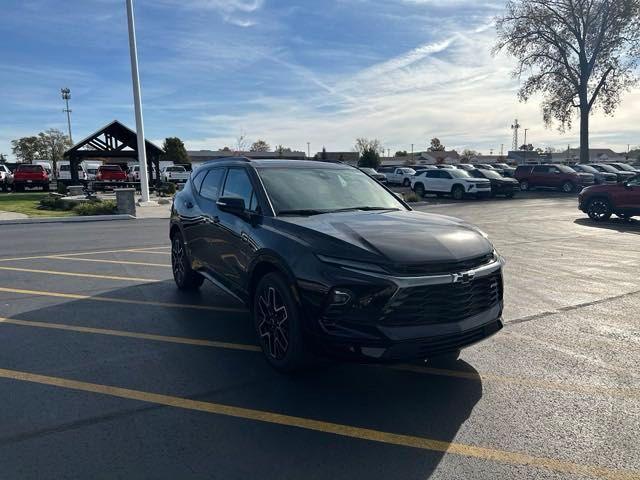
<point>175,173</point>
<point>399,175</point>
<point>455,182</point>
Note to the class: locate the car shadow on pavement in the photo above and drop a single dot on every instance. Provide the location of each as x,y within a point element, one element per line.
<point>378,397</point>
<point>617,224</point>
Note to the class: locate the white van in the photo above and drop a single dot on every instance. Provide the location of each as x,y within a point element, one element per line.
<point>92,169</point>
<point>46,164</point>
<point>64,172</point>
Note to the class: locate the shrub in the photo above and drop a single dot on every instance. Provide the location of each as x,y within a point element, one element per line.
<point>55,203</point>
<point>411,198</point>
<point>167,188</point>
<point>107,207</point>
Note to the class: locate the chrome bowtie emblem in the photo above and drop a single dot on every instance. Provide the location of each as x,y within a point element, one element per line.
<point>463,277</point>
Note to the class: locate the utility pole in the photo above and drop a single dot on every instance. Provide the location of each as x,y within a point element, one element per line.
<point>308,149</point>
<point>412,160</point>
<point>502,149</point>
<point>137,101</point>
<point>525,145</point>
<point>66,96</point>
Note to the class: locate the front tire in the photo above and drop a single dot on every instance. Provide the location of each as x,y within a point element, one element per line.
<point>457,192</point>
<point>276,318</point>
<point>525,185</point>
<point>185,277</point>
<point>406,182</point>
<point>599,209</point>
<point>568,187</point>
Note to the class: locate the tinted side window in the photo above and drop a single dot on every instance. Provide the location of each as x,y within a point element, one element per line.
<point>444,174</point>
<point>238,185</point>
<point>540,169</point>
<point>432,173</point>
<point>210,188</point>
<point>197,180</point>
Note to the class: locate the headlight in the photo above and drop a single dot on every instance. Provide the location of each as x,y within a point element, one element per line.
<point>341,262</point>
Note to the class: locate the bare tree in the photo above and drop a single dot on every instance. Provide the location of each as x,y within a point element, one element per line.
<point>260,146</point>
<point>364,144</point>
<point>579,54</point>
<point>242,143</point>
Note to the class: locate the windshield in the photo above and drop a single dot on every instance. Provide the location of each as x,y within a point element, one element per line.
<point>585,168</point>
<point>624,166</point>
<point>320,190</point>
<point>370,171</point>
<point>30,168</point>
<point>565,169</point>
<point>606,168</point>
<point>111,168</point>
<point>410,171</point>
<point>491,174</point>
<point>456,173</point>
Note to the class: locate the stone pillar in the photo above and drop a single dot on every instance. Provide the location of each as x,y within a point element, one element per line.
<point>126,200</point>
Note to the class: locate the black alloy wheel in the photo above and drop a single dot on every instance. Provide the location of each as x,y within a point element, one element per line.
<point>457,192</point>
<point>277,323</point>
<point>185,277</point>
<point>599,209</point>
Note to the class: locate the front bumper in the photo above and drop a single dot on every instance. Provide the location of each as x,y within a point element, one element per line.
<point>411,317</point>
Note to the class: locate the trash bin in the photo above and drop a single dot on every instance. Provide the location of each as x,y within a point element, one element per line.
<point>126,201</point>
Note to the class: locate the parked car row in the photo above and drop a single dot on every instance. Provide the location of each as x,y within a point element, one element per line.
<point>460,183</point>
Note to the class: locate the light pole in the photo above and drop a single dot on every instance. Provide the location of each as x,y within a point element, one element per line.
<point>412,160</point>
<point>308,149</point>
<point>137,102</point>
<point>525,145</point>
<point>66,96</point>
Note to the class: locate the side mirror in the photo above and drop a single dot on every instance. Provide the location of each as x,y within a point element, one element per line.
<point>232,205</point>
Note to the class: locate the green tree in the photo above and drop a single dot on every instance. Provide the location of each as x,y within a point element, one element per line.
<point>436,146</point>
<point>577,54</point>
<point>53,144</point>
<point>225,149</point>
<point>260,146</point>
<point>175,151</point>
<point>527,148</point>
<point>369,158</point>
<point>26,149</point>
<point>402,153</point>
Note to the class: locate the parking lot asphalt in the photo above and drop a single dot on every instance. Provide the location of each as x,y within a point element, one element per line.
<point>107,371</point>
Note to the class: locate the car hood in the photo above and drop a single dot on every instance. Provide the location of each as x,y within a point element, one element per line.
<point>389,237</point>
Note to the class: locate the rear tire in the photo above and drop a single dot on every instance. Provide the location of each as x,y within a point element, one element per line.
<point>185,277</point>
<point>599,209</point>
<point>276,318</point>
<point>525,185</point>
<point>510,195</point>
<point>457,192</point>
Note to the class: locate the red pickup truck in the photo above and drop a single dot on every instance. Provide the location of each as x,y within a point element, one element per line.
<point>111,173</point>
<point>30,176</point>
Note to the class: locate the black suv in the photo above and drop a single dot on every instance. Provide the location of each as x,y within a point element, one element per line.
<point>330,262</point>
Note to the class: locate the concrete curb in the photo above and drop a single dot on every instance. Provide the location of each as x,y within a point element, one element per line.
<point>93,218</point>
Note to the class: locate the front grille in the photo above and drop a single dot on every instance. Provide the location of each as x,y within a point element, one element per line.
<point>441,267</point>
<point>445,303</point>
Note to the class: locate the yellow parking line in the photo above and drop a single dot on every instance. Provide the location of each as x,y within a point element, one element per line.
<point>142,336</point>
<point>84,275</point>
<point>75,296</point>
<point>98,260</point>
<point>34,257</point>
<point>476,377</point>
<point>422,443</point>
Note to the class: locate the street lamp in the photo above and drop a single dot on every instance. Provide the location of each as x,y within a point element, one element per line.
<point>137,102</point>
<point>66,96</point>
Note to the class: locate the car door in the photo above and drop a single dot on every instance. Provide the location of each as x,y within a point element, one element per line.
<point>431,180</point>
<point>629,196</point>
<point>234,244</point>
<point>444,181</point>
<point>201,232</point>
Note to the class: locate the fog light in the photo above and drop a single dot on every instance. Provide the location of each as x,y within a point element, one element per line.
<point>340,297</point>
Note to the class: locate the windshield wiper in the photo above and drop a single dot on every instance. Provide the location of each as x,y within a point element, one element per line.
<point>365,209</point>
<point>302,212</point>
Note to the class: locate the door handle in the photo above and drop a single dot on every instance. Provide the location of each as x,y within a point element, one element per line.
<point>188,204</point>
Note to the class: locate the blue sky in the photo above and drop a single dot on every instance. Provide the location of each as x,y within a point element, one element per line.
<point>290,72</point>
